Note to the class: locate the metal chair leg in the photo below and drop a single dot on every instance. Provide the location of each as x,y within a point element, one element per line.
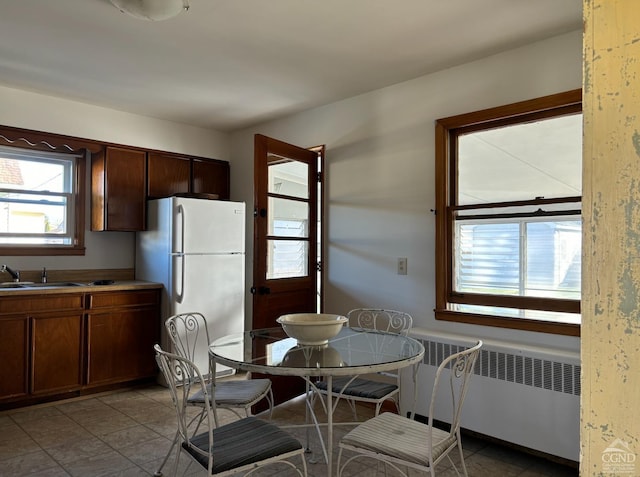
<point>158,473</point>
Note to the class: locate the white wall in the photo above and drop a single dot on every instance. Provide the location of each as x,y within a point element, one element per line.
<point>29,110</point>
<point>380,170</point>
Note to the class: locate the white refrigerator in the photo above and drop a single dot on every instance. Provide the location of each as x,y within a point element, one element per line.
<point>196,249</point>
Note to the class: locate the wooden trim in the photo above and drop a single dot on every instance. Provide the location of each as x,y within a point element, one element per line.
<point>515,301</point>
<point>523,215</point>
<point>524,324</point>
<point>47,251</point>
<point>321,150</point>
<point>443,247</point>
<point>511,112</point>
<point>29,139</point>
<point>518,203</point>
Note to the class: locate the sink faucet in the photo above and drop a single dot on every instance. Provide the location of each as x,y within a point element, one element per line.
<point>15,274</point>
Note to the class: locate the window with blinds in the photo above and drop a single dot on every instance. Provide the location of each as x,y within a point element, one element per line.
<point>509,228</point>
<point>521,258</point>
<point>38,193</point>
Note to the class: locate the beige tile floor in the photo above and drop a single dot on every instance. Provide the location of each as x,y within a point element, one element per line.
<point>127,433</point>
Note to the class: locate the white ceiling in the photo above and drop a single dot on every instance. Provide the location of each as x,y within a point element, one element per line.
<point>227,64</point>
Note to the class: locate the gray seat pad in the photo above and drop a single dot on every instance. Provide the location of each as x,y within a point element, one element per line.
<point>242,442</point>
<point>234,392</point>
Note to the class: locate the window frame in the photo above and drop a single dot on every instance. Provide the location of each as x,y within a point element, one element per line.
<point>446,130</point>
<point>28,140</point>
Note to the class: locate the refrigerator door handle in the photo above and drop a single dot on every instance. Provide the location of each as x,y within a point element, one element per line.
<point>180,223</point>
<point>180,277</point>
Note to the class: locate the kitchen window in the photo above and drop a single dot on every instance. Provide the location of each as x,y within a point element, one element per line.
<point>41,202</point>
<point>508,215</point>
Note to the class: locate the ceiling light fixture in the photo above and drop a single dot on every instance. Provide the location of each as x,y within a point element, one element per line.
<point>152,10</point>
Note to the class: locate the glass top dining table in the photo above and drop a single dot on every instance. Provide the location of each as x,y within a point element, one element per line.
<point>352,352</point>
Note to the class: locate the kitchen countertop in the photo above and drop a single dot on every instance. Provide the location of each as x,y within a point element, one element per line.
<point>52,288</point>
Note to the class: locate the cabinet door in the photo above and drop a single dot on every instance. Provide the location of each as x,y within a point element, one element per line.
<point>118,200</point>
<point>167,175</point>
<point>211,177</point>
<point>121,345</point>
<point>14,356</point>
<point>56,353</point>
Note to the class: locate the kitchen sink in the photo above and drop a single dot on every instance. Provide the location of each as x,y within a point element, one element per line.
<point>13,285</point>
<point>53,284</point>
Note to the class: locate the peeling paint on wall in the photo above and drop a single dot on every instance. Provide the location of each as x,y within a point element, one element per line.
<point>628,306</point>
<point>610,335</point>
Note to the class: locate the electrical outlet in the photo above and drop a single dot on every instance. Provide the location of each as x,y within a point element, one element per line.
<point>402,266</point>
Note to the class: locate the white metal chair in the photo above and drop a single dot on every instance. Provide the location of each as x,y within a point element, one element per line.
<point>243,446</point>
<point>188,332</point>
<point>370,390</point>
<point>403,442</point>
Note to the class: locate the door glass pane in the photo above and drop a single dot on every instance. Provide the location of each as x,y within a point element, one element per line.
<point>288,177</point>
<point>288,218</point>
<point>287,258</point>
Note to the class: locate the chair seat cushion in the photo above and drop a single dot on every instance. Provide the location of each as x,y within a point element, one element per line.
<point>242,442</point>
<point>234,393</point>
<point>399,437</point>
<point>360,387</point>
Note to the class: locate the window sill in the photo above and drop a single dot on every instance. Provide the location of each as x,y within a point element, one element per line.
<point>41,251</point>
<point>525,324</point>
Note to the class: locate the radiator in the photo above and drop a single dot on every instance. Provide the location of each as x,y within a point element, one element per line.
<point>524,395</point>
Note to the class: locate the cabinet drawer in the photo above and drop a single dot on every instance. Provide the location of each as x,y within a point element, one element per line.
<point>123,298</point>
<point>30,303</point>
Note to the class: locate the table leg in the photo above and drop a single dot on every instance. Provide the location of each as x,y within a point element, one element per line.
<point>329,425</point>
<point>307,413</point>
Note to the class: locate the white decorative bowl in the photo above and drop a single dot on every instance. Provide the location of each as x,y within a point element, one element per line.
<point>312,329</point>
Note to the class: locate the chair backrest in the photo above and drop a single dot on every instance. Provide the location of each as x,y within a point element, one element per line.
<point>185,379</point>
<point>460,366</point>
<point>379,319</point>
<point>190,337</point>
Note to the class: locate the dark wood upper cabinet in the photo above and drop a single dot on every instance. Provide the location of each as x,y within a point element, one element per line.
<point>118,192</point>
<point>167,175</point>
<point>170,174</point>
<point>122,179</point>
<point>211,177</point>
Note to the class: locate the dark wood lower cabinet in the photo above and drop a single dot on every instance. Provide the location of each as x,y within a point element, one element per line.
<point>56,353</point>
<point>54,345</point>
<point>122,328</point>
<point>14,356</point>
